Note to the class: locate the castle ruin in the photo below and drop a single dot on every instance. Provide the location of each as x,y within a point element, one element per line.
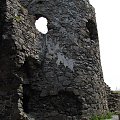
<point>53,76</point>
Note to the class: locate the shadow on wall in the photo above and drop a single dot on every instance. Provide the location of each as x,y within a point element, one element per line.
<point>64,103</point>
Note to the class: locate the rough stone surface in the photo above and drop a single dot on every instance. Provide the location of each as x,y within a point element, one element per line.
<point>113,98</point>
<point>114,102</point>
<point>57,76</point>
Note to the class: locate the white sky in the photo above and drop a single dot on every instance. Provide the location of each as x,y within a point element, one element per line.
<point>41,25</point>
<point>108,23</point>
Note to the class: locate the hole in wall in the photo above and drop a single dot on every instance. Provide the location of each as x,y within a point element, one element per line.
<point>41,25</point>
<point>92,28</point>
<point>27,72</point>
<point>26,97</point>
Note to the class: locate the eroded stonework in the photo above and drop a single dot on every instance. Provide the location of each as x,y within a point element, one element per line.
<point>56,76</point>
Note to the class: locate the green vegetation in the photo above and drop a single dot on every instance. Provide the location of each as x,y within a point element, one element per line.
<point>102,117</point>
<point>17,18</point>
<point>116,92</point>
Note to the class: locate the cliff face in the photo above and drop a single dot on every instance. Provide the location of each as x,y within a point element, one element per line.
<point>56,76</point>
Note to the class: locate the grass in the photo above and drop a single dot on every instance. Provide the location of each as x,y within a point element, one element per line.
<point>102,117</point>
<point>116,92</point>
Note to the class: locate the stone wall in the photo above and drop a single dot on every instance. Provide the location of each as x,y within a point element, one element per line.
<point>114,102</point>
<point>57,76</point>
<point>19,43</point>
<point>113,98</point>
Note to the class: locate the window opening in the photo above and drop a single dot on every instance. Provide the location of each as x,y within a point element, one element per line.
<point>41,25</point>
<point>92,28</point>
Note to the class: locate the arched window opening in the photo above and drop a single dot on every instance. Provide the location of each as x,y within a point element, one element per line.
<point>41,25</point>
<point>92,28</point>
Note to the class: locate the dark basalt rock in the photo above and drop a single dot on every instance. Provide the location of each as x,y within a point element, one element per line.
<point>57,76</point>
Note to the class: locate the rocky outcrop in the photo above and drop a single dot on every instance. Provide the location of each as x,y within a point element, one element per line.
<point>56,76</point>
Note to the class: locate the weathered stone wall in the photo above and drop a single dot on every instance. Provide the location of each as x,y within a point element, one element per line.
<point>72,60</point>
<point>19,43</point>
<point>113,98</point>
<point>57,76</point>
<point>114,102</point>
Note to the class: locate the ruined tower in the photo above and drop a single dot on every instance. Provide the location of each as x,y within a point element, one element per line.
<point>56,76</point>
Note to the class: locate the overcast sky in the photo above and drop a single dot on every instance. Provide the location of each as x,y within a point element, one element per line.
<point>108,23</point>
